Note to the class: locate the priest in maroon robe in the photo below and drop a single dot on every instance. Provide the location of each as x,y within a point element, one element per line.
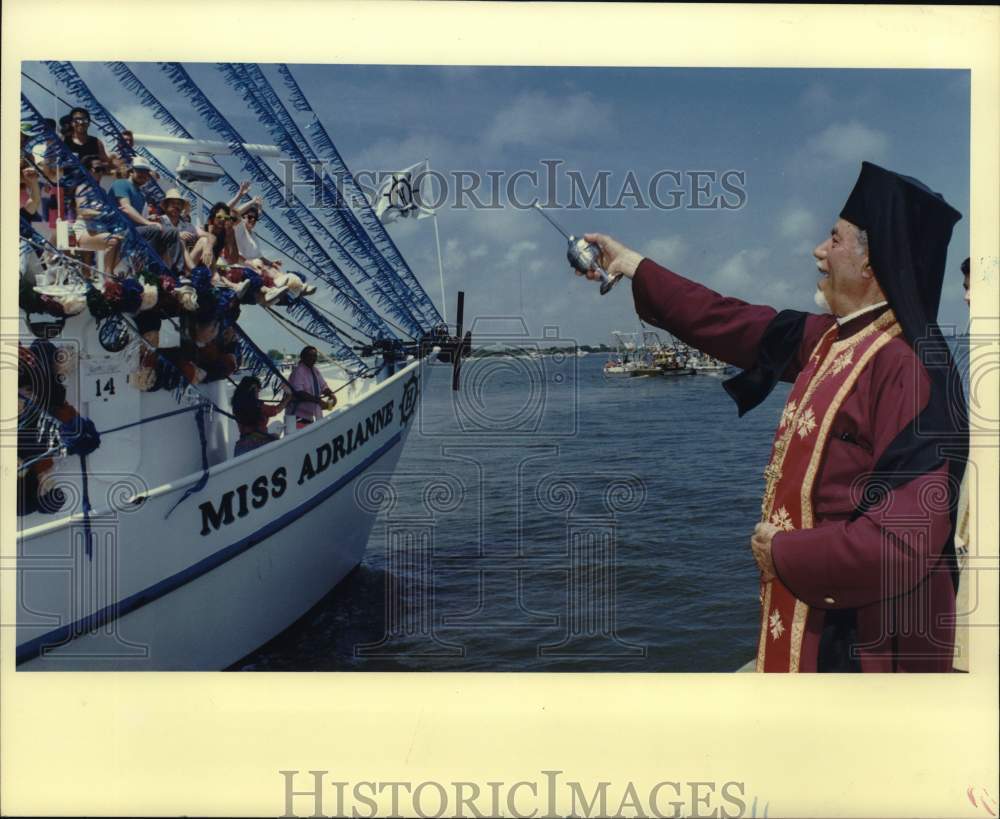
<point>855,545</point>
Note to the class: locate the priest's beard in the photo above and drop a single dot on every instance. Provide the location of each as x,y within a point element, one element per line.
<point>820,298</point>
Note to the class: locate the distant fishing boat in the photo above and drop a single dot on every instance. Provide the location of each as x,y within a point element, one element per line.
<point>702,363</point>
<point>707,365</point>
<point>664,358</point>
<point>626,358</point>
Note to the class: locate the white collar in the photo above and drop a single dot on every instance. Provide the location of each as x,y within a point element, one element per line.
<point>842,320</point>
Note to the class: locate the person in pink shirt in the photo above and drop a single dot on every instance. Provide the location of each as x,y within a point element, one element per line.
<point>309,388</point>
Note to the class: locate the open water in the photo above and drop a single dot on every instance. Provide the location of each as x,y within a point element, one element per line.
<point>549,518</point>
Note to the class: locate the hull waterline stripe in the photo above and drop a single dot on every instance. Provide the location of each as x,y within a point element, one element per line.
<point>64,634</point>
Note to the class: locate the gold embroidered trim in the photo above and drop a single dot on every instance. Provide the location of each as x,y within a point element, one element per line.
<point>828,418</point>
<point>772,473</point>
<point>765,607</point>
<point>774,468</point>
<point>798,632</point>
<point>801,609</point>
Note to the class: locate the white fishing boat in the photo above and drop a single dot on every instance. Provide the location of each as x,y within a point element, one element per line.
<point>627,356</point>
<point>196,583</point>
<point>161,549</point>
<point>702,363</point>
<point>707,365</point>
<point>665,359</point>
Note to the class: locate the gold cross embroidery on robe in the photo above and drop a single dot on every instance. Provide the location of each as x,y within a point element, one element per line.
<point>782,519</point>
<point>841,361</point>
<point>806,423</point>
<point>775,626</point>
<point>787,414</point>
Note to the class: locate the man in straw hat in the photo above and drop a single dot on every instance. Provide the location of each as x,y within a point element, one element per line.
<point>855,545</point>
<point>175,208</point>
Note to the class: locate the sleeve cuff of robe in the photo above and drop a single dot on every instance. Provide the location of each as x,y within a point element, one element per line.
<point>799,559</point>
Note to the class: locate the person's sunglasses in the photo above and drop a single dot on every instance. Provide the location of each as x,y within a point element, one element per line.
<point>82,120</point>
<point>251,216</point>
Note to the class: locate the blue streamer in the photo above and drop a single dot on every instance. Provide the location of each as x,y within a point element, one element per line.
<point>65,73</point>
<point>386,286</point>
<point>331,273</point>
<point>74,176</point>
<point>376,230</point>
<point>281,240</point>
<point>350,239</point>
<point>262,365</point>
<point>202,482</point>
<point>87,509</point>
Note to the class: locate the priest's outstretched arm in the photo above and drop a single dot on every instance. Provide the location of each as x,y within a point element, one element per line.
<point>724,327</point>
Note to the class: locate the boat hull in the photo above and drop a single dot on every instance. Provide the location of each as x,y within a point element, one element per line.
<point>235,563</point>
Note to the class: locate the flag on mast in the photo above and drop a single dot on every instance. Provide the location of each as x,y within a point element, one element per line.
<point>403,194</point>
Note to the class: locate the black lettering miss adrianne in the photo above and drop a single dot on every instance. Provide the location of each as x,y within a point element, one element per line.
<point>239,502</point>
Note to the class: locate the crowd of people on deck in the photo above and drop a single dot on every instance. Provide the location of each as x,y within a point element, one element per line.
<point>208,271</point>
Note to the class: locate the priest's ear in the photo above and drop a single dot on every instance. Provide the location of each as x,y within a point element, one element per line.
<point>866,267</point>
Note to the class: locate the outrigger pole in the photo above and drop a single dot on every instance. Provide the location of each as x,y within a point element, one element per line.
<point>202,146</point>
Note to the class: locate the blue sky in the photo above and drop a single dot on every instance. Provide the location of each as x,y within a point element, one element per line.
<point>798,136</point>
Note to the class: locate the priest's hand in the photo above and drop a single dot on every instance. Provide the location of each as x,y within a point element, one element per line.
<point>760,545</point>
<point>615,257</point>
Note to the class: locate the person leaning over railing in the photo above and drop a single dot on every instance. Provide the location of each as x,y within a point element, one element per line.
<point>252,414</point>
<point>311,390</point>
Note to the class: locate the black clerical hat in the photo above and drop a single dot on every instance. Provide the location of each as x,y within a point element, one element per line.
<point>909,227</point>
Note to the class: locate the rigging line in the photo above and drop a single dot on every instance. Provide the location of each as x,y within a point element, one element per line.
<point>285,130</point>
<point>111,134</point>
<point>255,93</point>
<point>326,341</point>
<point>322,309</point>
<point>372,223</point>
<point>146,98</point>
<point>288,326</point>
<point>332,323</point>
<point>108,132</point>
<point>66,73</point>
<point>260,171</point>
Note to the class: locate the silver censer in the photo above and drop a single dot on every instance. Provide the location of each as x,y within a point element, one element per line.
<point>583,255</point>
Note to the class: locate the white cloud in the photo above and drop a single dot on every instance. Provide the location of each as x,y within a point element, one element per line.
<point>667,250</point>
<point>518,249</point>
<point>537,118</point>
<point>741,271</point>
<point>846,143</point>
<point>797,223</point>
<point>817,98</point>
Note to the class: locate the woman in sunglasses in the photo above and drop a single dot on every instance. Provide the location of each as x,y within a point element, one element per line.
<point>247,216</point>
<point>82,143</point>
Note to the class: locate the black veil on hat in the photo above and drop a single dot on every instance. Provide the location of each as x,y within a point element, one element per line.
<point>909,227</point>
